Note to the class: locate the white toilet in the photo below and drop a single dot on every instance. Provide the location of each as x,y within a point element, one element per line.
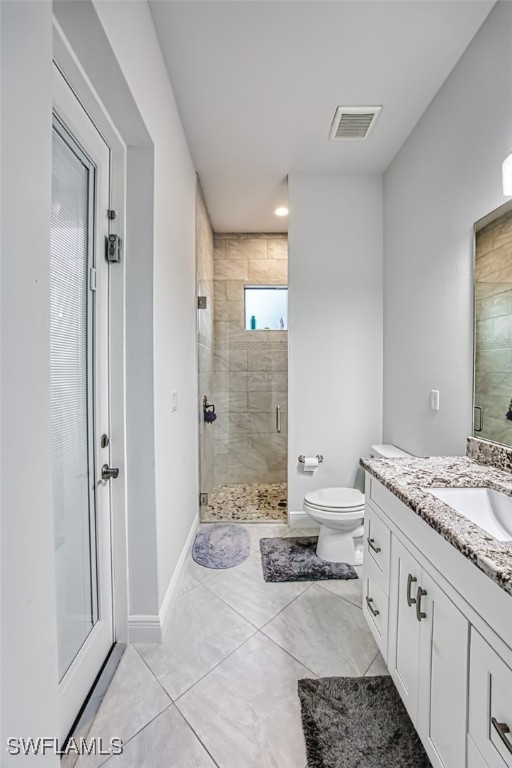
<point>340,514</point>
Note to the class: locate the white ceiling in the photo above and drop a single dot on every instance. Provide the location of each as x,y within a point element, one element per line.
<point>258,82</point>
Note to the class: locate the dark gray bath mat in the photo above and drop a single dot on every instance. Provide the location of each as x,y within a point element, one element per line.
<point>358,722</point>
<point>295,559</point>
<point>221,545</point>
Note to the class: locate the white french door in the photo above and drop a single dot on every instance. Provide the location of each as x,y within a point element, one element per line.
<point>79,336</point>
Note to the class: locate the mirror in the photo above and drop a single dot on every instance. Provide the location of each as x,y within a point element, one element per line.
<point>493,327</point>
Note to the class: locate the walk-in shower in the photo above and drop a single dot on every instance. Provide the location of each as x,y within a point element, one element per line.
<point>243,372</point>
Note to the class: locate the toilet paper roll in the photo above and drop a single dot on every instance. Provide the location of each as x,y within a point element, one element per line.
<point>310,464</point>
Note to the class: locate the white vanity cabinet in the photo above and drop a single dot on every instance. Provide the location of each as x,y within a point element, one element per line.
<point>447,664</point>
<point>427,657</point>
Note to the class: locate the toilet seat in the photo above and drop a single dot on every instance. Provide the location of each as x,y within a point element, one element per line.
<point>340,515</point>
<point>345,501</point>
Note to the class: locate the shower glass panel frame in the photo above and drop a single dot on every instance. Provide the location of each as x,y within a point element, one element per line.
<point>244,374</point>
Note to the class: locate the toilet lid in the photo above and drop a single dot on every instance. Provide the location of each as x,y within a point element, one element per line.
<point>335,498</point>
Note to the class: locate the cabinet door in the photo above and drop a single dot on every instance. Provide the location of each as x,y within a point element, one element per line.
<point>443,676</point>
<point>377,539</point>
<point>375,607</point>
<point>404,627</point>
<point>490,704</point>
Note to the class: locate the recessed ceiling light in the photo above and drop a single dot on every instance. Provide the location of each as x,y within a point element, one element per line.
<point>281,211</point>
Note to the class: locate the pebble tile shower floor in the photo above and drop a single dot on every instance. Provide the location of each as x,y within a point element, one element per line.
<point>221,690</point>
<point>249,502</point>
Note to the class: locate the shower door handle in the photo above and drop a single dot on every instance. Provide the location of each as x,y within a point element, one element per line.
<point>480,421</point>
<point>278,418</point>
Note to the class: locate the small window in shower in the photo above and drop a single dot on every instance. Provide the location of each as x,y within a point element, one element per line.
<point>266,307</point>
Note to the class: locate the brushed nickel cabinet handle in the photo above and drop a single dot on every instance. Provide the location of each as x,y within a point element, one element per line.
<point>374,611</point>
<point>503,731</point>
<point>419,613</point>
<point>371,544</point>
<point>410,581</point>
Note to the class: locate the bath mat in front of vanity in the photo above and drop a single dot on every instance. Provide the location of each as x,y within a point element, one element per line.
<point>295,559</point>
<point>349,722</point>
<point>219,545</point>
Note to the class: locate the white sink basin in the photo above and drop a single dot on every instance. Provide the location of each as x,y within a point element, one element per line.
<point>491,510</point>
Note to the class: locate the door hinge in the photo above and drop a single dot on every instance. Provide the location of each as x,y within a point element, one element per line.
<point>203,499</point>
<point>111,214</point>
<point>92,279</point>
<point>202,302</point>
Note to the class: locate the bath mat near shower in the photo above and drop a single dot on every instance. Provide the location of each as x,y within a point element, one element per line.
<point>295,559</point>
<point>350,722</point>
<point>221,545</point>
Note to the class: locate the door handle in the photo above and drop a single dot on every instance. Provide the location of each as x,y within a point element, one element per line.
<point>481,419</point>
<point>419,613</point>
<point>410,580</point>
<point>109,473</point>
<point>503,731</point>
<point>278,418</point>
<point>374,611</point>
<point>372,545</point>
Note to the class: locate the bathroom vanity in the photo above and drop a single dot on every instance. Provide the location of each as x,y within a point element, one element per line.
<point>437,595</point>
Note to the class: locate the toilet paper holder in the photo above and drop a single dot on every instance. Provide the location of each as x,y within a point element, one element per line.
<point>302,458</point>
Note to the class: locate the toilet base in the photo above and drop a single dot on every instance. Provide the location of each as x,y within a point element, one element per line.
<point>340,546</point>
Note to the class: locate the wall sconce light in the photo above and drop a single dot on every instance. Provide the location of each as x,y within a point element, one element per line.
<point>507,175</point>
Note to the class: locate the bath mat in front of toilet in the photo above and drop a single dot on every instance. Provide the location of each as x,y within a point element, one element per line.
<point>295,559</point>
<point>221,545</point>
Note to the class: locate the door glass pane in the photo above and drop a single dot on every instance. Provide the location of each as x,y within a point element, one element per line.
<point>71,411</point>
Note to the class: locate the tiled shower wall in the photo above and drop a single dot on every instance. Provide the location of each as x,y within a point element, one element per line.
<point>493,313</point>
<point>250,367</point>
<point>205,340</point>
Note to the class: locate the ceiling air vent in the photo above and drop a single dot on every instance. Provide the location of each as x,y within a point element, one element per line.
<point>353,122</point>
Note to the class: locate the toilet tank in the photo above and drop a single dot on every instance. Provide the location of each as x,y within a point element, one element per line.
<point>387,452</point>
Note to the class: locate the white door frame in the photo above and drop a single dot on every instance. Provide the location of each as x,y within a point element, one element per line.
<point>74,127</point>
<point>71,70</point>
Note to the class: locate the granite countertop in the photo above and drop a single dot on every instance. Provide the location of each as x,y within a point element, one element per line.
<point>405,477</point>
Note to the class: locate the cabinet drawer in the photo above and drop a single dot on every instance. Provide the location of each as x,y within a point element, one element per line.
<point>375,607</point>
<point>490,704</point>
<point>377,540</point>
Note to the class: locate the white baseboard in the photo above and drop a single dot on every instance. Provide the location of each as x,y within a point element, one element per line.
<point>300,520</point>
<point>171,589</point>
<point>144,629</point>
<point>148,629</point>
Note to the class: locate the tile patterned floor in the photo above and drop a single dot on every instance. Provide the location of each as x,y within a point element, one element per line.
<point>251,502</point>
<point>221,690</point>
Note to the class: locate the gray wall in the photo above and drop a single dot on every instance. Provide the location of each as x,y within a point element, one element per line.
<point>131,34</point>
<point>335,327</point>
<point>446,177</point>
<point>28,633</point>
